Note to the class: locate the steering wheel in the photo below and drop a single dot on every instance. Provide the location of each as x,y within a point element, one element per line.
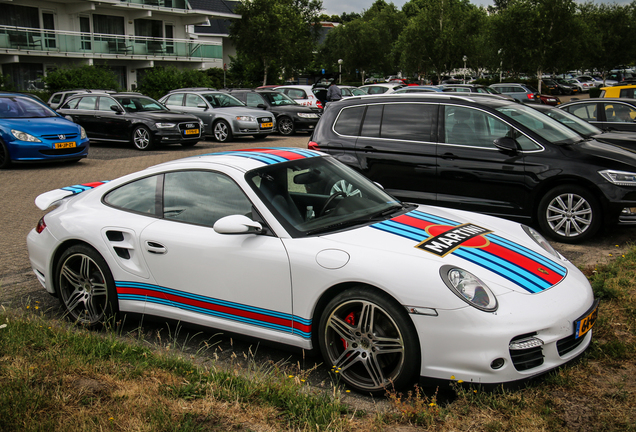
<point>329,201</point>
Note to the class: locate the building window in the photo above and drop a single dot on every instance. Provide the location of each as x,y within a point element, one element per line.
<point>108,24</point>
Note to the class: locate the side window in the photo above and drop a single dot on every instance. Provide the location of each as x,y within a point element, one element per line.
<point>202,197</point>
<point>139,196</point>
<point>466,126</point>
<point>627,93</point>
<point>297,94</point>
<point>175,99</point>
<point>193,101</point>
<point>372,121</point>
<point>377,90</point>
<point>105,103</point>
<point>585,111</point>
<point>412,122</point>
<point>617,112</point>
<point>348,122</point>
<point>72,104</point>
<point>57,97</point>
<point>254,99</point>
<point>87,103</point>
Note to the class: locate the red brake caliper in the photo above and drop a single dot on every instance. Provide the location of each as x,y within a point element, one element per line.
<point>351,320</point>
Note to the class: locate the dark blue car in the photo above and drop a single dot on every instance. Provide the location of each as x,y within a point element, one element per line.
<point>30,131</point>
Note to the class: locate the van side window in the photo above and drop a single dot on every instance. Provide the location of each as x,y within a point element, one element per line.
<point>349,120</point>
<point>412,122</point>
<point>372,121</point>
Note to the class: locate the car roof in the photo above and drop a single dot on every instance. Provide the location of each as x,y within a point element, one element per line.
<point>478,98</point>
<point>193,89</point>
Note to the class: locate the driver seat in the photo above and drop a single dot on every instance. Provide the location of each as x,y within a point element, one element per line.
<point>281,200</point>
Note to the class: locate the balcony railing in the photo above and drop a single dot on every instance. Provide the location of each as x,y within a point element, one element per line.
<point>105,45</point>
<point>175,4</point>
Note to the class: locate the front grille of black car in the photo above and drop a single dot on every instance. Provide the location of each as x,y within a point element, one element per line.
<point>526,358</point>
<point>568,344</point>
<point>57,137</point>
<point>190,125</point>
<point>65,151</point>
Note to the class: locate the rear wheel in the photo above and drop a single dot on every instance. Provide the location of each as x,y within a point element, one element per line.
<point>142,138</point>
<point>85,286</point>
<point>569,214</point>
<point>222,131</point>
<point>5,157</point>
<point>369,341</point>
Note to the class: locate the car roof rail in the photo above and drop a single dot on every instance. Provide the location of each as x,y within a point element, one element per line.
<point>193,89</point>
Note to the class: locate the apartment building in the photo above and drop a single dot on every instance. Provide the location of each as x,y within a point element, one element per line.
<point>128,36</point>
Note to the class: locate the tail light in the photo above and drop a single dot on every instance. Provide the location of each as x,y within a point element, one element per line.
<point>312,145</point>
<point>319,104</point>
<point>530,96</point>
<point>40,226</point>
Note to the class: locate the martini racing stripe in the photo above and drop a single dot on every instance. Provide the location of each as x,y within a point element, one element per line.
<point>251,315</point>
<point>83,187</point>
<point>520,265</point>
<point>271,155</point>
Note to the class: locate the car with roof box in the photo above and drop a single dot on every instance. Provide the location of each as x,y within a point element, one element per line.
<point>481,153</point>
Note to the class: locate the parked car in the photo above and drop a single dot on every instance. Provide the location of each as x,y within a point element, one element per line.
<point>625,91</point>
<point>131,117</point>
<point>57,99</point>
<point>484,154</point>
<point>548,99</point>
<point>30,131</point>
<point>348,91</point>
<point>605,113</point>
<point>565,88</point>
<point>521,92</point>
<point>473,88</point>
<point>381,88</point>
<point>583,86</point>
<point>419,89</point>
<point>291,117</point>
<point>588,130</point>
<point>224,116</point>
<point>304,94</point>
<point>550,86</point>
<point>596,82</point>
<point>251,242</point>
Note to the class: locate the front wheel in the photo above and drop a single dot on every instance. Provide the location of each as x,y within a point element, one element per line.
<point>569,214</point>
<point>369,341</point>
<point>142,138</point>
<point>222,131</point>
<point>286,126</point>
<point>85,286</point>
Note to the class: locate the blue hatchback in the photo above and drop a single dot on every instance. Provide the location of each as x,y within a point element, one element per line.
<point>30,131</point>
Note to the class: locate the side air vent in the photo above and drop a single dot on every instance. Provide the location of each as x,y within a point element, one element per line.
<point>115,236</point>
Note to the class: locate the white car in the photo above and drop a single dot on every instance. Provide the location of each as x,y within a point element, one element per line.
<point>381,88</point>
<point>291,246</point>
<point>303,94</point>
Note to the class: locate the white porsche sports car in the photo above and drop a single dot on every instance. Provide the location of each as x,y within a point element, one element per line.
<point>291,246</point>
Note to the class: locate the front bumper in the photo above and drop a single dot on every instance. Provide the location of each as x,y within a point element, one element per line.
<point>22,151</point>
<point>304,124</point>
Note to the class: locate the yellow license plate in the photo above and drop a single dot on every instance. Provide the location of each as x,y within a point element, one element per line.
<point>266,125</point>
<point>192,131</point>
<point>64,145</point>
<point>585,324</point>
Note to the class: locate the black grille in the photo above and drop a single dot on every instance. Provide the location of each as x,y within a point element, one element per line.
<point>264,119</point>
<point>526,358</point>
<point>190,125</point>
<point>56,137</point>
<point>66,151</point>
<point>568,344</point>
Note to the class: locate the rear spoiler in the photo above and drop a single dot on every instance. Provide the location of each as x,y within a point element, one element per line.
<point>50,198</point>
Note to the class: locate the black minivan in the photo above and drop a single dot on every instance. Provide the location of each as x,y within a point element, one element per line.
<point>485,154</point>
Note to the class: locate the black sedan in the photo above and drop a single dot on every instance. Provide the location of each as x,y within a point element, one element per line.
<point>128,117</point>
<point>612,114</point>
<point>291,117</point>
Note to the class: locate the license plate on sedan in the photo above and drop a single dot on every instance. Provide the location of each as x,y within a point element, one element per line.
<point>191,131</point>
<point>63,145</point>
<point>585,323</point>
<point>266,125</point>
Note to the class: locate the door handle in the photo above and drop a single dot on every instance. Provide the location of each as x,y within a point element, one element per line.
<point>368,148</point>
<point>449,156</point>
<point>156,248</point>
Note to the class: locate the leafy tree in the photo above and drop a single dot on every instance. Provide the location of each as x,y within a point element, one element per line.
<point>88,77</point>
<point>158,81</point>
<point>277,34</point>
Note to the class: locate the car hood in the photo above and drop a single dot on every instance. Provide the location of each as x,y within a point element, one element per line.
<point>605,151</point>
<point>626,139</point>
<point>474,242</point>
<point>296,109</point>
<point>165,116</point>
<point>241,111</point>
<point>41,126</point>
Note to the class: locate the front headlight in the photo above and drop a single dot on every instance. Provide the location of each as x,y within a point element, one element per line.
<point>246,118</point>
<point>308,115</point>
<point>540,240</point>
<point>619,178</point>
<point>23,136</point>
<point>469,288</point>
<point>83,133</point>
<point>165,125</point>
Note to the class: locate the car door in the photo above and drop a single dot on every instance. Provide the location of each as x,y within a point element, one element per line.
<point>239,281</point>
<point>110,123</point>
<point>472,173</point>
<point>84,114</point>
<point>618,116</point>
<point>396,148</point>
<point>588,111</point>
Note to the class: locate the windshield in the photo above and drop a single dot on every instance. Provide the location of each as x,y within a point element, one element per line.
<point>221,100</point>
<point>139,104</point>
<point>279,99</point>
<point>573,122</point>
<point>544,126</point>
<point>320,195</point>
<point>23,107</point>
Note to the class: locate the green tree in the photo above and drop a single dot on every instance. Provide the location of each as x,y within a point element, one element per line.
<point>88,77</point>
<point>277,34</point>
<point>158,81</point>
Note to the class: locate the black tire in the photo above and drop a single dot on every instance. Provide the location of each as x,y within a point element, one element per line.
<point>142,138</point>
<point>222,131</point>
<point>189,143</point>
<point>286,126</point>
<point>85,287</point>
<point>5,157</point>
<point>569,214</point>
<point>369,360</point>
<point>260,137</point>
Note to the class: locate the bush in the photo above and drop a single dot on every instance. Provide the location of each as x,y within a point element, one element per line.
<point>159,81</point>
<point>87,77</point>
<point>595,92</point>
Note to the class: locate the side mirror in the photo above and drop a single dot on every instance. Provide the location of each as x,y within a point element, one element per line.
<point>203,106</point>
<point>116,108</point>
<point>261,106</point>
<point>506,144</point>
<point>237,224</point>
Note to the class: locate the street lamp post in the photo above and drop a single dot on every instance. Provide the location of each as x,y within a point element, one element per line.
<point>339,71</point>
<point>465,59</point>
<point>500,65</point>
